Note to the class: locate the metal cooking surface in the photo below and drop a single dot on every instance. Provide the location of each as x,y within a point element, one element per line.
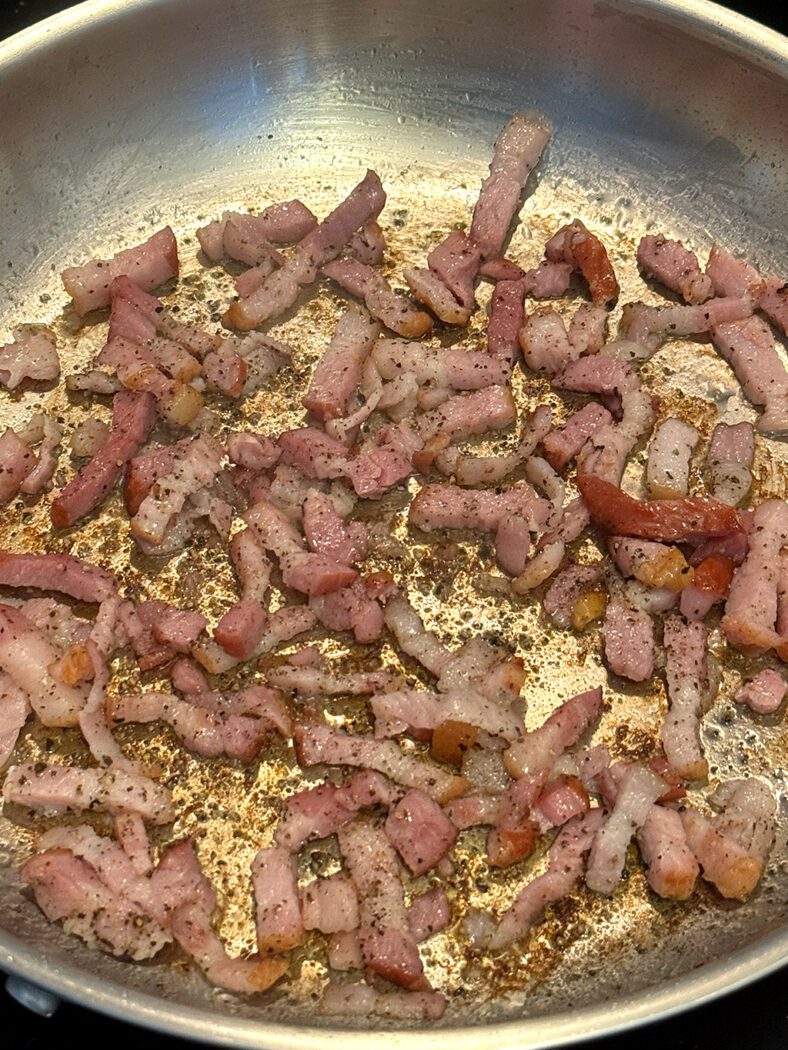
<point>300,115</point>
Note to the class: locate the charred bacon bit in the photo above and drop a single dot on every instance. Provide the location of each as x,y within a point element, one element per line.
<point>672,520</point>
<point>575,245</point>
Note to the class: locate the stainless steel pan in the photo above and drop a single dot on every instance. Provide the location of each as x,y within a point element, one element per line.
<point>121,114</point>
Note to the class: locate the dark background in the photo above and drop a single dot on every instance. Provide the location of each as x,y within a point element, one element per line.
<point>755,1018</point>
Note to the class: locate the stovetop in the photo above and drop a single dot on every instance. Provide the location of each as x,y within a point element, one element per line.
<point>754,1018</point>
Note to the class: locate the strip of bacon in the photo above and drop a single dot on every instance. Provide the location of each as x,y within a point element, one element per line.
<point>439,368</point>
<point>691,519</point>
<point>729,460</point>
<point>387,946</point>
<point>629,641</point>
<point>518,149</point>
<point>751,611</point>
<point>313,681</point>
<point>324,243</point>
<point>749,348</point>
<point>645,328</point>
<point>394,311</point>
<point>420,831</point>
<point>278,909</point>
<point>676,267</point>
<point>318,743</point>
<point>67,789</point>
<point>732,276</point>
<point>574,244</point>
<point>359,1000</point>
<point>637,793</point>
<point>149,265</point>
<point>538,751</point>
<point>338,372</point>
<point>133,415</point>
<point>28,658</point>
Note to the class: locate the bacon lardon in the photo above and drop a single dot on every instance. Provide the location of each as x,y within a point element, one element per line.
<point>748,347</point>
<point>540,749</point>
<point>360,1000</point>
<point>687,673</point>
<point>394,311</point>
<point>751,611</point>
<point>774,303</point>
<point>133,415</point>
<point>387,946</point>
<point>729,461</point>
<point>669,456</point>
<point>148,265</point>
<point>564,870</point>
<point>64,573</point>
<point>732,276</point>
<point>285,222</point>
<point>278,909</point>
<point>338,372</point>
<point>31,356</point>
<point>565,590</point>
<point>764,692</point>
<point>14,712</point>
<point>629,641</point>
<point>518,149</point>
<point>420,711</point>
<point>584,251</point>
<point>420,831</point>
<point>28,658</point>
<point>322,244</point>
<point>671,868</point>
<point>732,847</point>
<point>639,790</point>
<point>67,789</point>
<point>203,731</point>
<point>319,743</point>
<point>330,905</point>
<point>506,318</point>
<point>647,327</point>
<point>676,267</point>
<point>327,533</point>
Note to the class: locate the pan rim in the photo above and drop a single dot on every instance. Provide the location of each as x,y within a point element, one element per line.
<point>767,48</point>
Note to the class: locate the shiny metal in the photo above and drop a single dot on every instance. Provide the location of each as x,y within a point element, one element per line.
<point>38,1000</point>
<point>120,115</point>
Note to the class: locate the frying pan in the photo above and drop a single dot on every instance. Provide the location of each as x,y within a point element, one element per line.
<point>120,115</point>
